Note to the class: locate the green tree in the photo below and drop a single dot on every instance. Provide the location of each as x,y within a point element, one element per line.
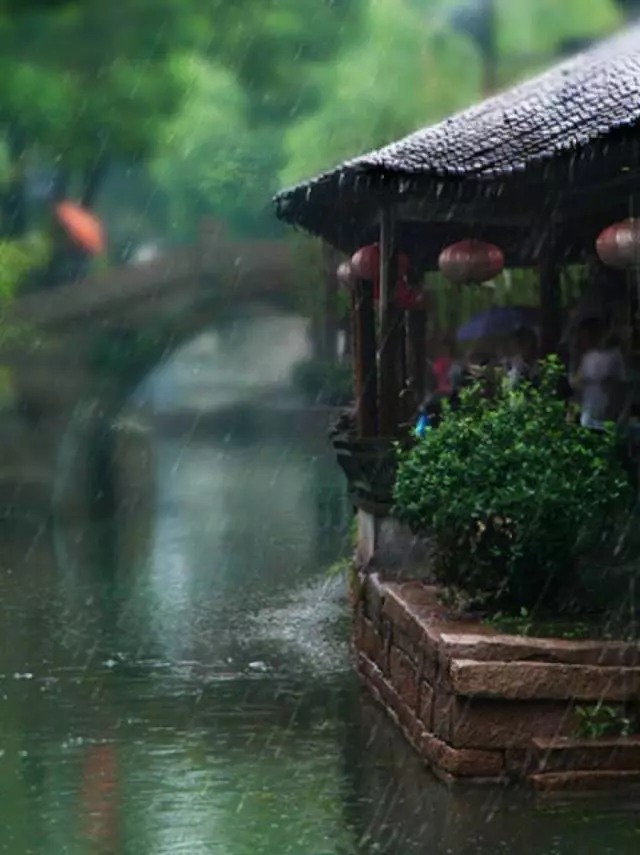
<point>518,500</point>
<point>222,153</point>
<point>79,86</point>
<point>410,66</point>
<point>92,84</point>
<point>397,76</point>
<point>211,160</point>
<point>271,44</point>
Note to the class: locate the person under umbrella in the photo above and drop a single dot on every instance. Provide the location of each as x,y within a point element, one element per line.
<point>522,366</point>
<point>79,237</point>
<point>498,321</point>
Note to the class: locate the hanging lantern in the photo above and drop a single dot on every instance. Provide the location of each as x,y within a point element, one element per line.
<point>618,246</point>
<point>365,263</point>
<point>346,276</point>
<point>471,261</point>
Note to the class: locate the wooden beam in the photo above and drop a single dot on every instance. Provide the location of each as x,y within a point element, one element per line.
<point>502,214</point>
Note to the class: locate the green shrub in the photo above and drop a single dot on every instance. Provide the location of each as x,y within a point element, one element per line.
<point>324,382</point>
<point>18,258</point>
<point>515,497</point>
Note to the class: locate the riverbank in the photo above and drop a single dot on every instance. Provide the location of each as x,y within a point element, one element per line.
<point>483,706</point>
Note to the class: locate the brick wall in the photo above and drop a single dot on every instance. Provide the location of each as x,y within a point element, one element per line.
<point>479,705</point>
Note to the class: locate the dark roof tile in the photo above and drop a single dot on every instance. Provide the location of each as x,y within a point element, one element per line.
<point>575,102</point>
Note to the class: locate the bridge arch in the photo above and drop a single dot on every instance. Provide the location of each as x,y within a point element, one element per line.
<point>97,339</point>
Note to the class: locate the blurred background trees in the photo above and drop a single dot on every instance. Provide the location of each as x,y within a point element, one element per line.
<point>160,113</point>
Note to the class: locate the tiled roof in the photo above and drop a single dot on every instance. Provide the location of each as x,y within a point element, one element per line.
<point>576,102</point>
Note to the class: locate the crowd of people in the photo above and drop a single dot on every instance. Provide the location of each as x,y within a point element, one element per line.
<point>596,379</point>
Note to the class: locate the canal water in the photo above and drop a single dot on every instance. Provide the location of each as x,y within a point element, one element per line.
<point>178,680</point>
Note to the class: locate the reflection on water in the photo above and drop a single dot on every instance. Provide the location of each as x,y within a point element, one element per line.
<point>249,354</point>
<point>186,688</point>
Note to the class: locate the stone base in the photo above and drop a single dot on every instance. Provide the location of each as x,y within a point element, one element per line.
<point>384,542</point>
<point>479,705</point>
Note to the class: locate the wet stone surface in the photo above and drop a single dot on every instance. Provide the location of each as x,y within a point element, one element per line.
<point>487,719</point>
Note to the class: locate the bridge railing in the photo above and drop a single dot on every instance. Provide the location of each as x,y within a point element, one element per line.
<point>238,269</point>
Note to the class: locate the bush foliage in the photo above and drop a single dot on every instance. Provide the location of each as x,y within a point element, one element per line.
<point>515,496</point>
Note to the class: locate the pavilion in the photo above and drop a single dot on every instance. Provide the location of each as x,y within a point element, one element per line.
<point>538,171</point>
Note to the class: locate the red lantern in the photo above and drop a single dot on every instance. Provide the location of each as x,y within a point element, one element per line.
<point>618,246</point>
<point>471,261</point>
<point>366,263</point>
<point>346,276</point>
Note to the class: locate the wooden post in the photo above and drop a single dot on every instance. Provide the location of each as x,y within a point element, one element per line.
<point>364,353</point>
<point>391,331</point>
<point>417,351</point>
<point>550,301</point>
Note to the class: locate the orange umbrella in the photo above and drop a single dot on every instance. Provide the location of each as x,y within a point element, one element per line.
<point>83,228</point>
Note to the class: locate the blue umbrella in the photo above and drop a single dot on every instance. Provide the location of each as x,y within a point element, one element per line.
<point>499,320</point>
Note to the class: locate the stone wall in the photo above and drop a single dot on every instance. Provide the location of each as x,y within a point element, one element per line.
<point>483,706</point>
<point>385,542</point>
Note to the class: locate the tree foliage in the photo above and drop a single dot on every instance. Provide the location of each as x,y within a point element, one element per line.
<point>210,160</point>
<point>516,497</point>
<point>397,76</point>
<point>221,102</point>
<point>411,65</point>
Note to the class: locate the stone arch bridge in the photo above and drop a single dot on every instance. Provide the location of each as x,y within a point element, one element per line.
<point>91,342</point>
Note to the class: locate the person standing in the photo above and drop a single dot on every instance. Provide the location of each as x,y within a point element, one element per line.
<point>601,376</point>
<point>525,353</point>
<point>442,370</point>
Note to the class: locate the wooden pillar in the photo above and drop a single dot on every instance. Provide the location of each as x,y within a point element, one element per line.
<point>391,340</point>
<point>417,351</point>
<point>364,357</point>
<point>550,301</point>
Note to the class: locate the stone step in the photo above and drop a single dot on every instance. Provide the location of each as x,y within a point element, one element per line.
<point>543,681</point>
<point>571,755</point>
<point>586,781</point>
